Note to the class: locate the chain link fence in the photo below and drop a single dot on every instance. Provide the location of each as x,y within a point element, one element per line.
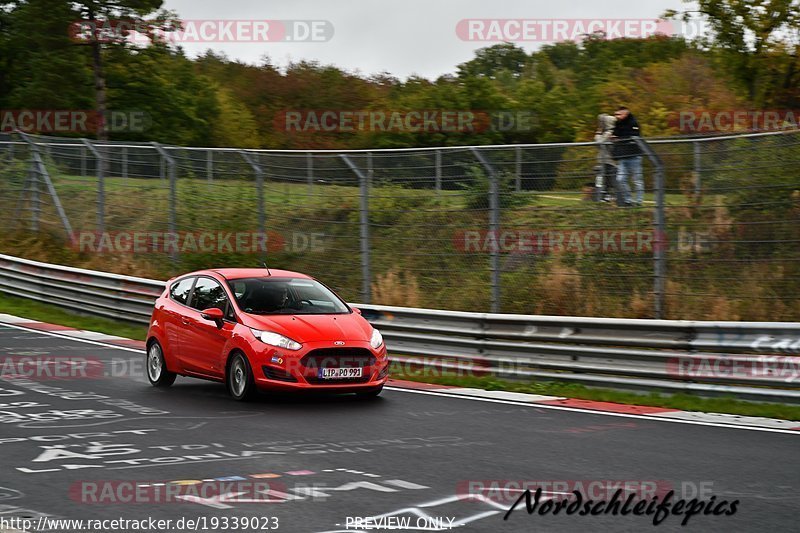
<point>513,229</point>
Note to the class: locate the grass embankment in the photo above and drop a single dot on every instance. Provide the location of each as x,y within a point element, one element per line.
<point>45,313</point>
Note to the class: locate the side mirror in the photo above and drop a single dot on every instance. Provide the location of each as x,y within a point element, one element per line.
<point>213,314</point>
<point>356,310</point>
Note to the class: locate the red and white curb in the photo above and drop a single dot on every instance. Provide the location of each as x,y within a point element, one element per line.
<point>516,398</point>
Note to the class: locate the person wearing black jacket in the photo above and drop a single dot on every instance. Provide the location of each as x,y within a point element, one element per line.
<point>628,155</point>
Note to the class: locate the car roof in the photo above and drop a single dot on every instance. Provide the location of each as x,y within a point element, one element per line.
<point>239,273</point>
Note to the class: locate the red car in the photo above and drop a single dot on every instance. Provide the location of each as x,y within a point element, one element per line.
<point>262,329</point>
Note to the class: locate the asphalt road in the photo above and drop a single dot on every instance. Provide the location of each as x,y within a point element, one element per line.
<point>74,446</point>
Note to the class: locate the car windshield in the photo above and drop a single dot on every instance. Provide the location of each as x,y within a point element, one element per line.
<point>285,296</point>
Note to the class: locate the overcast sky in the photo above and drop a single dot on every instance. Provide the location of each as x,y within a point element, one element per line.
<point>403,38</point>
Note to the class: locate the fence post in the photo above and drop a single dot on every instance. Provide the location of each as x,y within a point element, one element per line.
<point>83,161</point>
<point>210,165</point>
<point>438,171</point>
<point>40,172</point>
<point>172,224</point>
<point>697,168</point>
<point>518,169</point>
<point>101,184</point>
<point>660,224</point>
<point>262,217</point>
<point>363,182</point>
<point>124,162</point>
<point>494,228</point>
<point>36,207</point>
<point>310,173</point>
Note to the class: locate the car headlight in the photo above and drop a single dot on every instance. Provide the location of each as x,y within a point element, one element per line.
<point>274,339</point>
<point>377,339</point>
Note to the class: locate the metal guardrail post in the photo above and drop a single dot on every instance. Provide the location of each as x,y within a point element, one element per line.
<point>363,181</point>
<point>259,172</point>
<point>210,165</point>
<point>660,242</point>
<point>167,160</point>
<point>124,162</point>
<point>518,169</point>
<point>101,184</point>
<point>494,227</point>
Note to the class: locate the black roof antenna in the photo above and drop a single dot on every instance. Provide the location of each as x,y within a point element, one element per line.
<point>265,266</point>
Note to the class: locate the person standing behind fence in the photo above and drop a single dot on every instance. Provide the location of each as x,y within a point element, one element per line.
<point>608,167</point>
<point>628,155</point>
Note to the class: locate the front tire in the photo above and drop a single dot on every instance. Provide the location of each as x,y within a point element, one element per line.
<point>240,382</point>
<point>157,372</point>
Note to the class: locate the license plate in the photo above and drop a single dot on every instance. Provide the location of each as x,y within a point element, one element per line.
<point>339,373</point>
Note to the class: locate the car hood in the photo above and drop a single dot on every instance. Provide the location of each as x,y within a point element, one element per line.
<point>313,328</point>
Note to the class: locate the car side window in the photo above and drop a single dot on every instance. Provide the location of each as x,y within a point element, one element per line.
<point>207,294</point>
<point>180,290</point>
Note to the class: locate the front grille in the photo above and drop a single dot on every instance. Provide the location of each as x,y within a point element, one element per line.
<point>277,375</point>
<point>338,358</point>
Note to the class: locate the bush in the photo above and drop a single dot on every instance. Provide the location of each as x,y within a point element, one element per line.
<point>477,190</point>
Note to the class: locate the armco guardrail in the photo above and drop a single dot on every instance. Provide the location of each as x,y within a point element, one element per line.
<point>749,360</point>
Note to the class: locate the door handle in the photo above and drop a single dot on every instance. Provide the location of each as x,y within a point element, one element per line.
<point>185,321</point>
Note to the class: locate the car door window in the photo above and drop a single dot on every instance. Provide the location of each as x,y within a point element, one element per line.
<point>207,294</point>
<point>180,290</point>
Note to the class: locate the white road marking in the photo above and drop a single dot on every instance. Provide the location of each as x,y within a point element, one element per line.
<point>11,319</point>
<point>733,419</point>
<point>92,335</point>
<point>505,395</point>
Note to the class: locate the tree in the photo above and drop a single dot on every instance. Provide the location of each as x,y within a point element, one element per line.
<point>493,60</point>
<point>753,34</point>
<point>111,23</point>
<point>39,66</point>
